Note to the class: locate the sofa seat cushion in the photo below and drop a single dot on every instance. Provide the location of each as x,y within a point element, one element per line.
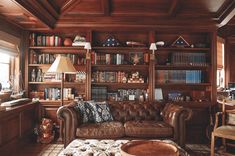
<point>105,130</point>
<point>151,129</point>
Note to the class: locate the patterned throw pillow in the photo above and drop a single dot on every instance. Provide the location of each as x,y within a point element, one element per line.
<point>101,112</point>
<point>85,111</point>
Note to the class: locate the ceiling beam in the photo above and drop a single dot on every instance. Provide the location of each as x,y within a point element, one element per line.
<point>35,8</point>
<point>106,7</point>
<point>174,8</point>
<point>226,12</point>
<point>50,8</point>
<point>69,5</point>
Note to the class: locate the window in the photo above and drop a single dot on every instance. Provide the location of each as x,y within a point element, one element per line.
<point>4,70</point>
<point>9,63</point>
<point>220,63</point>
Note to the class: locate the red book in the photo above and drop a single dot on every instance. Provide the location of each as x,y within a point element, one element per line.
<point>47,40</point>
<point>92,57</point>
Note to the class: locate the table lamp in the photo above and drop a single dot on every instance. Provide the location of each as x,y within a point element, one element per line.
<point>62,65</point>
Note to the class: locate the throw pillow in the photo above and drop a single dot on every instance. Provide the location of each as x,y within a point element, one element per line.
<point>101,112</point>
<point>85,111</point>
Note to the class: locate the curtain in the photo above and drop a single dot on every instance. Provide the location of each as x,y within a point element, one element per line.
<point>220,41</point>
<point>9,44</point>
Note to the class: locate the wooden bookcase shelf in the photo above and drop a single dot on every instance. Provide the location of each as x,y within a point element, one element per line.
<point>48,65</point>
<point>181,67</point>
<point>120,67</point>
<point>117,49</point>
<point>182,84</point>
<point>51,89</point>
<point>56,83</point>
<point>123,85</point>
<point>60,50</point>
<point>54,102</point>
<point>149,70</point>
<point>182,49</point>
<point>40,65</point>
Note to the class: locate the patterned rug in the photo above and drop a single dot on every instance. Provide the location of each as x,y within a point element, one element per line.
<point>54,149</point>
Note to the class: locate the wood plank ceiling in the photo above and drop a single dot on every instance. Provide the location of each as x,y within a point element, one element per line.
<point>50,14</point>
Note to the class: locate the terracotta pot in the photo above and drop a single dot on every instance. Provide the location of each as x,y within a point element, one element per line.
<point>67,42</point>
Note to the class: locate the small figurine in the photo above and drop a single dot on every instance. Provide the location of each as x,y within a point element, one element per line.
<point>33,75</point>
<point>136,59</point>
<point>39,75</point>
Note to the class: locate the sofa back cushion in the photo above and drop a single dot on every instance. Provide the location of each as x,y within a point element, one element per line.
<point>126,111</point>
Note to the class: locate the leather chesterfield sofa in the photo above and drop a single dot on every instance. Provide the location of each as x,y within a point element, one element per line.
<point>132,120</point>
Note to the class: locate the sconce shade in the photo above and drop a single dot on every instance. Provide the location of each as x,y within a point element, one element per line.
<point>153,46</point>
<point>62,64</point>
<point>87,46</point>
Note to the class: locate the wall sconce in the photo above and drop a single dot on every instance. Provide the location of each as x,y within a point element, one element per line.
<point>153,47</point>
<point>87,47</point>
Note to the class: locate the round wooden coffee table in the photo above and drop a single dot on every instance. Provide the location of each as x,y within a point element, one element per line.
<point>149,148</point>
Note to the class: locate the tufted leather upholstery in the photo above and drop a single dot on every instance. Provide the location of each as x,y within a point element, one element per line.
<point>134,111</point>
<point>131,119</point>
<point>106,130</point>
<point>148,129</point>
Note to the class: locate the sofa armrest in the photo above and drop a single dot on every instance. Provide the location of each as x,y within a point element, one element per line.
<point>176,116</point>
<point>71,120</point>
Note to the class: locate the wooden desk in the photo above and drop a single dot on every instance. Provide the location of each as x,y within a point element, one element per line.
<point>16,125</point>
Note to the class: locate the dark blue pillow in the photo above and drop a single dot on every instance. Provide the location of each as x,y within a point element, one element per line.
<point>101,112</point>
<point>85,111</point>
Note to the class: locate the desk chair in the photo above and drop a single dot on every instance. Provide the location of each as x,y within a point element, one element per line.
<point>226,130</point>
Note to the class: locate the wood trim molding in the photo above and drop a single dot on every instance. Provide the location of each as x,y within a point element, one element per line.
<point>68,6</point>
<point>226,12</point>
<point>35,8</point>
<point>106,7</point>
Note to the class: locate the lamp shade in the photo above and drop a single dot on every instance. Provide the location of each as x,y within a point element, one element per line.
<point>153,46</point>
<point>87,46</point>
<point>62,64</point>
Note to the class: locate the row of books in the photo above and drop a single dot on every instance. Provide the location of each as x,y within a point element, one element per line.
<point>45,40</point>
<point>80,76</point>
<point>101,94</point>
<point>132,94</point>
<point>194,59</point>
<point>180,76</point>
<point>36,58</point>
<point>54,93</point>
<point>100,58</point>
<point>106,76</point>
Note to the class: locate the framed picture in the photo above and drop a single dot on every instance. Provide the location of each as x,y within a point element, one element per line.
<point>158,94</point>
<point>136,58</point>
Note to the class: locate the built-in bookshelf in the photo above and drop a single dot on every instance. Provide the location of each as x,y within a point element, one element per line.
<point>127,67</point>
<point>45,86</point>
<point>183,73</point>
<point>121,73</point>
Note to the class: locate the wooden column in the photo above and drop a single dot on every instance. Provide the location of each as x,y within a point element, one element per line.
<point>151,85</point>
